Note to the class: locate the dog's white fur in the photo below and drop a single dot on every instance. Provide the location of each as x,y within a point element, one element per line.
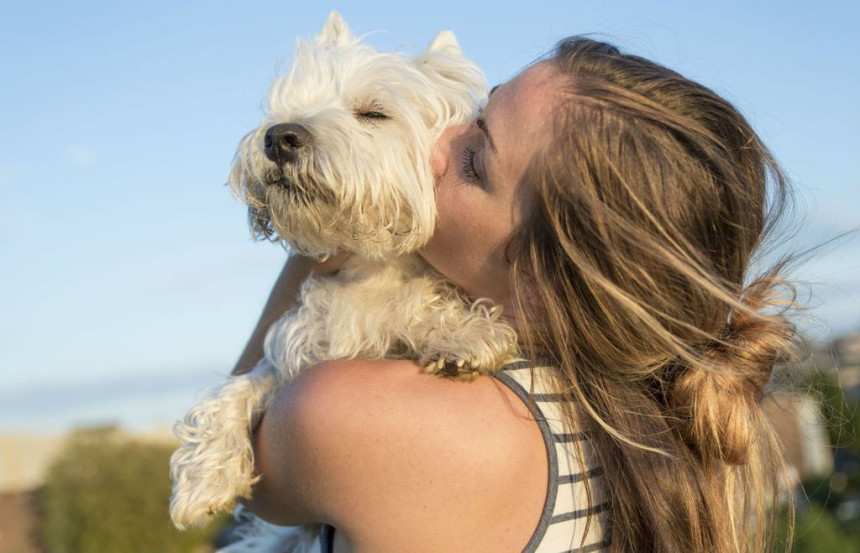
<point>361,183</point>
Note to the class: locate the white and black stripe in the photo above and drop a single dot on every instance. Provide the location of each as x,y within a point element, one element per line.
<point>566,512</point>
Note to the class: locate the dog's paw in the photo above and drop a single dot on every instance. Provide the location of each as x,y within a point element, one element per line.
<point>189,513</point>
<point>480,345</point>
<point>452,366</point>
<point>214,463</point>
<point>207,482</point>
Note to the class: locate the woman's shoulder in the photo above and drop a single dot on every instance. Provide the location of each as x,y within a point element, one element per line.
<point>388,444</point>
<point>402,391</point>
<point>396,407</point>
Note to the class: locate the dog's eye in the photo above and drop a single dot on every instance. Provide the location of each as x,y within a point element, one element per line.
<point>372,115</point>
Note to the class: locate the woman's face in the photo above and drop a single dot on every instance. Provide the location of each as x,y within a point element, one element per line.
<point>481,192</point>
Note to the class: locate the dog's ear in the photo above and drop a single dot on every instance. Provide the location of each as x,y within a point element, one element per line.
<point>335,30</point>
<point>446,42</point>
<point>457,81</point>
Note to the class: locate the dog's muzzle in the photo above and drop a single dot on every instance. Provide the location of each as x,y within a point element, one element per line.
<point>282,143</point>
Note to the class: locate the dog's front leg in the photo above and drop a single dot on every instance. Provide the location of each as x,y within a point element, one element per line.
<point>456,338</point>
<point>214,463</point>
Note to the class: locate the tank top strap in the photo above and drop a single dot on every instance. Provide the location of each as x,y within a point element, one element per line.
<point>569,522</point>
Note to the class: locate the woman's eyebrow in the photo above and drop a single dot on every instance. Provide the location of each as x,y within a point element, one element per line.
<point>492,90</point>
<point>483,126</point>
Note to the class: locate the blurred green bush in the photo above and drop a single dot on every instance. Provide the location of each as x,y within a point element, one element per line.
<point>828,516</point>
<point>817,531</point>
<point>840,410</point>
<point>107,493</point>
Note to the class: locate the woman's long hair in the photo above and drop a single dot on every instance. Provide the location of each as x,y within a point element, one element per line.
<point>653,197</point>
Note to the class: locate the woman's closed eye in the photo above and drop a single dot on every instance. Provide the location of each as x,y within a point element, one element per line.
<point>469,164</point>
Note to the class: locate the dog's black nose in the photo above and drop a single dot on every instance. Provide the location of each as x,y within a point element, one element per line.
<point>282,142</point>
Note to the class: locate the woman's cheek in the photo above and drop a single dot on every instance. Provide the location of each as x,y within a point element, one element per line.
<point>438,163</point>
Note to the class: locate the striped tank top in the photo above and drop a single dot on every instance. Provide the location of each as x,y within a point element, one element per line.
<point>562,524</point>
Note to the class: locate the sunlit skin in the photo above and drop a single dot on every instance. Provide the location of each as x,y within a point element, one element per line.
<point>481,190</point>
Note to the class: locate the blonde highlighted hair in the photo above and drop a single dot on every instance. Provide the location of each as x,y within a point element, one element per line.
<point>653,197</point>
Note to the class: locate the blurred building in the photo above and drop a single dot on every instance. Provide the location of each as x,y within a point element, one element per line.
<point>847,351</point>
<point>802,430</point>
<point>841,357</point>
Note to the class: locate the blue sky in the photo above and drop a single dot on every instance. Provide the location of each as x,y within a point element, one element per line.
<point>129,279</point>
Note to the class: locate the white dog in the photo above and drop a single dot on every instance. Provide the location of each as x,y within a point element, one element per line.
<point>341,163</point>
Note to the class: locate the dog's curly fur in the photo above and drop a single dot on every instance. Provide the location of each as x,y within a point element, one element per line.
<point>356,177</point>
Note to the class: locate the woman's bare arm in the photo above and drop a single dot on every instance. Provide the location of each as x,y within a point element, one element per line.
<point>399,460</point>
<point>282,297</point>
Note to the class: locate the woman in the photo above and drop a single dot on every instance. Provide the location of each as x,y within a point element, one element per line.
<point>612,207</point>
